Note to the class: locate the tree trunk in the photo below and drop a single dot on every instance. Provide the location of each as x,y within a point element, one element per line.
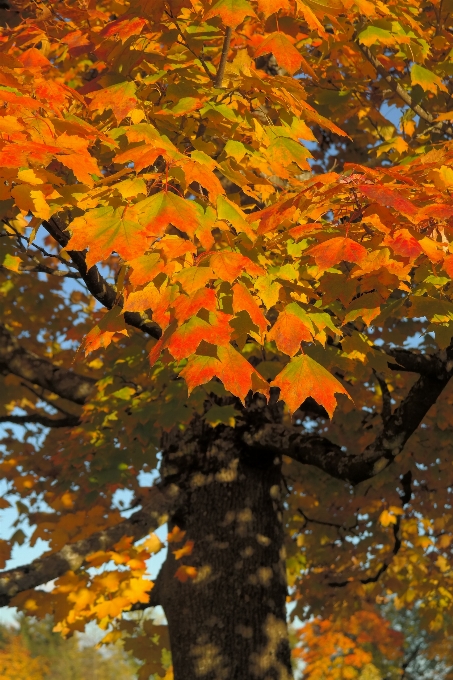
<point>229,622</point>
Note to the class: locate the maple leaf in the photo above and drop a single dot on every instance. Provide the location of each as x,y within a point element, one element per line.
<point>388,197</point>
<point>185,340</point>
<point>337,250</point>
<point>199,370</point>
<point>403,243</point>
<point>302,378</point>
<point>196,172</point>
<point>105,230</point>
<point>232,12</point>
<point>283,50</point>
<point>268,7</point>
<point>193,278</point>
<point>186,306</point>
<point>167,208</point>
<point>427,80</point>
<point>184,573</point>
<point>102,334</point>
<point>121,99</point>
<point>237,374</point>
<point>83,166</point>
<point>151,298</point>
<point>145,268</point>
<point>184,551</point>
<point>292,327</point>
<point>244,301</point>
<point>229,265</point>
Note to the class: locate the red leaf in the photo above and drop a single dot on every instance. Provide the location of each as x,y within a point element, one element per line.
<point>388,197</point>
<point>404,244</point>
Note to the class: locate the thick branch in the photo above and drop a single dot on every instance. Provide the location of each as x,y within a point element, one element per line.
<point>160,504</point>
<point>19,361</point>
<point>38,419</point>
<point>401,92</point>
<point>97,285</point>
<point>404,421</point>
<point>329,457</point>
<point>424,364</point>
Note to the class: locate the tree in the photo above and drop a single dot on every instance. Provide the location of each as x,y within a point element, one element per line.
<point>227,258</point>
<point>34,652</point>
<point>374,643</point>
<point>16,662</point>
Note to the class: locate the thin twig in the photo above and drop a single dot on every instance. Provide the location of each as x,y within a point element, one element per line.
<point>401,92</point>
<point>186,44</point>
<point>223,59</point>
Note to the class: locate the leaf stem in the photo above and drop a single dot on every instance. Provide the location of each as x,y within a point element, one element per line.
<point>223,59</point>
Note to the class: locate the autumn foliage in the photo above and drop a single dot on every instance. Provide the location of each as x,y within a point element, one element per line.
<point>227,237</point>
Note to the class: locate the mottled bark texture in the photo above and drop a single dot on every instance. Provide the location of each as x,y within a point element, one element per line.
<point>229,622</point>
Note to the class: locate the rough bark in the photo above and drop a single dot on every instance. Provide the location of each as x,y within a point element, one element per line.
<point>229,622</point>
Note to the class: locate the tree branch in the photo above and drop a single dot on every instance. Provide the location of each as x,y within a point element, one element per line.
<point>97,285</point>
<point>27,365</point>
<point>38,419</point>
<point>161,503</point>
<point>424,364</point>
<point>401,92</point>
<point>329,457</point>
<point>223,59</point>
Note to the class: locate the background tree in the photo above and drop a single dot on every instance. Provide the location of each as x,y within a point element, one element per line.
<point>34,652</point>
<point>239,212</point>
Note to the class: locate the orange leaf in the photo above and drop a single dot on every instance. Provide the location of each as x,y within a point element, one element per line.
<point>289,331</point>
<point>229,265</point>
<point>448,265</point>
<point>199,370</point>
<point>185,306</point>
<point>185,340</point>
<point>193,278</point>
<point>283,50</point>
<point>196,172</point>
<point>82,165</point>
<point>145,268</point>
<point>185,550</point>
<point>119,98</point>
<point>183,573</point>
<point>237,373</point>
<point>232,12</point>
<point>176,535</point>
<point>302,378</point>
<point>167,208</point>
<point>268,7</point>
<point>101,335</point>
<point>243,300</point>
<point>335,250</point>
